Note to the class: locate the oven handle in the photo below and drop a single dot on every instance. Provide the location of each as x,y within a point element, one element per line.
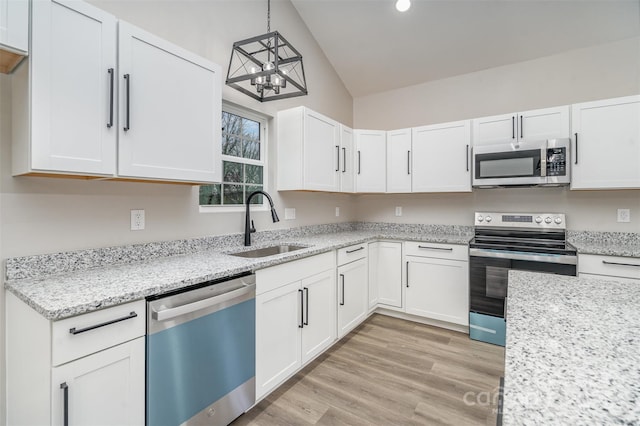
<point>564,259</point>
<point>169,313</point>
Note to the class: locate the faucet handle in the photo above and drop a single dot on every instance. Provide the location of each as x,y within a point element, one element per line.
<point>253,227</point>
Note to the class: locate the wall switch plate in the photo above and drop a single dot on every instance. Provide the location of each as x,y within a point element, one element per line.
<point>289,213</point>
<point>398,211</point>
<point>137,220</point>
<point>624,215</point>
<point>337,211</point>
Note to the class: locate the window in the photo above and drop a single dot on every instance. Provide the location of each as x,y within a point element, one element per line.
<point>243,160</point>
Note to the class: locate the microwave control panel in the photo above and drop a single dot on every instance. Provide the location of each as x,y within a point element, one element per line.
<point>556,162</point>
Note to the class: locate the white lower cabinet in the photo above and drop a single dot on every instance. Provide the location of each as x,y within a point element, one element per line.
<point>106,388</point>
<point>385,273</point>
<point>295,317</point>
<point>91,366</point>
<point>352,294</point>
<point>614,267</point>
<point>437,282</point>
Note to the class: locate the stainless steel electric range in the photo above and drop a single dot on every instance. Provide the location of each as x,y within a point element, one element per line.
<point>503,241</point>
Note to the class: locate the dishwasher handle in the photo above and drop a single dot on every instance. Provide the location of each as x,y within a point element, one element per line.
<point>169,313</point>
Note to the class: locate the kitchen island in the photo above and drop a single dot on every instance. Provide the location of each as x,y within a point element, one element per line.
<point>572,351</point>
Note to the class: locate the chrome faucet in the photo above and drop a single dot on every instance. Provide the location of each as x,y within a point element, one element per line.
<point>249,228</point>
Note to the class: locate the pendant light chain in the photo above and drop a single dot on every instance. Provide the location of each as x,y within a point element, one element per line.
<point>268,16</point>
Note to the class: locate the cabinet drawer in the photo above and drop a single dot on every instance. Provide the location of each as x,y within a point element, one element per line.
<point>276,276</point>
<point>437,250</point>
<point>82,335</point>
<point>613,266</point>
<point>351,253</point>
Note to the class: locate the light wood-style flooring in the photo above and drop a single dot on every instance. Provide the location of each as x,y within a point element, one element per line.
<point>390,371</point>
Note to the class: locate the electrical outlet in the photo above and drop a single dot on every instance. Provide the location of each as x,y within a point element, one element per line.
<point>624,215</point>
<point>289,213</point>
<point>398,211</point>
<point>137,220</point>
<point>337,211</point>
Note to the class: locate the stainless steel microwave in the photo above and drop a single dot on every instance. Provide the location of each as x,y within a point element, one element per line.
<point>538,163</point>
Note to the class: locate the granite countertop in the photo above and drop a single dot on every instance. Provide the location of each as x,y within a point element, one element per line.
<point>626,244</point>
<point>77,290</point>
<point>572,351</point>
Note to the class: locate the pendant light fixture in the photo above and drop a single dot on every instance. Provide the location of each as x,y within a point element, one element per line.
<point>267,67</point>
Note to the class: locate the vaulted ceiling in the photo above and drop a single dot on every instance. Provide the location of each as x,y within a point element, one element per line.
<point>375,48</point>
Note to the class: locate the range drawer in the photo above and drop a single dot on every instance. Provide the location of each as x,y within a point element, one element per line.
<point>78,336</point>
<point>612,266</point>
<point>487,328</point>
<point>437,250</point>
<point>351,253</point>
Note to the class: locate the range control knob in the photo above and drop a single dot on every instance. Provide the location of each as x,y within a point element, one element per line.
<point>547,219</point>
<point>558,220</point>
<point>538,219</point>
<point>488,218</point>
<point>480,218</point>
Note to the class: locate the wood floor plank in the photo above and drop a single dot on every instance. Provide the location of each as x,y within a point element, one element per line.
<point>389,371</point>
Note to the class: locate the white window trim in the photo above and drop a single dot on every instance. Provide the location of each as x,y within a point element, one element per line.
<point>264,125</point>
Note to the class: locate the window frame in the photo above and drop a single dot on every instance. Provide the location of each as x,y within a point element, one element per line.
<point>263,121</point>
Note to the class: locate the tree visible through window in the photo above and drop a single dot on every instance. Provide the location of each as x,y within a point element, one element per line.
<point>242,163</point>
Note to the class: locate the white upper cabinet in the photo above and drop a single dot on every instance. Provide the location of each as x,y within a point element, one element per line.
<point>309,154</point>
<point>399,160</point>
<point>371,162</point>
<point>170,110</point>
<point>606,144</point>
<point>63,102</point>
<point>14,33</point>
<point>347,165</point>
<point>540,124</point>
<point>441,158</point>
<point>96,91</point>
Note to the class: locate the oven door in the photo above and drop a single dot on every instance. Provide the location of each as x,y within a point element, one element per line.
<point>488,279</point>
<point>510,164</point>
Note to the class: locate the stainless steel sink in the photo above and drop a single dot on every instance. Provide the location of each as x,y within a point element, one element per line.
<point>268,251</point>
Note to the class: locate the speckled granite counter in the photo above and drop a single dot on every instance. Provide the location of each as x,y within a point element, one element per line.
<point>572,351</point>
<point>625,244</point>
<point>66,284</point>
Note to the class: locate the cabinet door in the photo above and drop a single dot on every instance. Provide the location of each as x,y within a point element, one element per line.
<point>373,260</point>
<point>399,161</point>
<point>347,171</point>
<point>72,62</point>
<point>371,162</point>
<point>441,160</point>
<point>321,152</point>
<point>389,274</point>
<point>495,129</point>
<point>170,110</point>
<point>438,289</point>
<point>352,295</point>
<point>106,388</point>
<point>278,327</point>
<point>606,144</point>
<point>541,124</point>
<point>319,320</point>
<point>14,24</point>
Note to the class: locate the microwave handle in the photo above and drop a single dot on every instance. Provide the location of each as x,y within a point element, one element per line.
<point>543,162</point>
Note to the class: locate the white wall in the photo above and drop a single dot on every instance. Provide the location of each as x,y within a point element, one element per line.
<point>44,215</point>
<point>599,72</point>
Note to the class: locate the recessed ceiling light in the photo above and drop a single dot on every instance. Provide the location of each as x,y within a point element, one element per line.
<point>403,5</point>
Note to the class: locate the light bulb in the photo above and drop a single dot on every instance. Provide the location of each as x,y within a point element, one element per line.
<point>403,5</point>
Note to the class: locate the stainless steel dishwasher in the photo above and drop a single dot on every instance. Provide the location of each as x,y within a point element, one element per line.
<point>201,353</point>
